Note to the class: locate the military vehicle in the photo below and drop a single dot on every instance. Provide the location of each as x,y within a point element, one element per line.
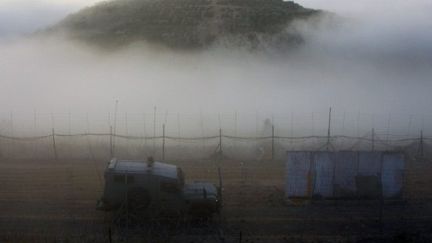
<point>151,189</point>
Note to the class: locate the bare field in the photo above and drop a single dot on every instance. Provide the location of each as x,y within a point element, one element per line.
<point>49,201</point>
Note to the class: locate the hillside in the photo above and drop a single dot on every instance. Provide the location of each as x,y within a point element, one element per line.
<point>185,23</point>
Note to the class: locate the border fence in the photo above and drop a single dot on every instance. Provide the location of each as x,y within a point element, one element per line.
<point>181,138</point>
<point>203,136</point>
<point>221,145</point>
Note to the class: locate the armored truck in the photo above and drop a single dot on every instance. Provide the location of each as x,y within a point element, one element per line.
<point>153,188</point>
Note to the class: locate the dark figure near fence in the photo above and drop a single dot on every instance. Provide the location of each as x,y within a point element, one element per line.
<point>264,147</point>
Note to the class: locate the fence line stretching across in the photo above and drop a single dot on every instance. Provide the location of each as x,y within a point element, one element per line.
<point>373,139</point>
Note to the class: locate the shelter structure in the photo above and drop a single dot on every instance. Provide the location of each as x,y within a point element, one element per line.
<point>345,174</point>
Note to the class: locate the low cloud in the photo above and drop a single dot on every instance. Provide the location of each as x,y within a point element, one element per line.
<point>376,59</point>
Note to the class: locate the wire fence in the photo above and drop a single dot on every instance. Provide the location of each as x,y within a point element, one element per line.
<point>167,135</point>
<point>272,147</point>
<point>250,186</point>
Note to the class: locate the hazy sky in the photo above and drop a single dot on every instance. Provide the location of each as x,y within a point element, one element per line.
<point>378,61</point>
<point>25,16</point>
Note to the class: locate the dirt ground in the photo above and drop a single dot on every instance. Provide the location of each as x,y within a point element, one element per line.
<point>54,201</point>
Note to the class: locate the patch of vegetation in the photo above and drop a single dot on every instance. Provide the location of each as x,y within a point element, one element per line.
<point>185,23</point>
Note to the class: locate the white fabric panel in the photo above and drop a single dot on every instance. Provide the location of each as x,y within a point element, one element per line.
<point>297,170</point>
<point>369,163</point>
<point>346,164</point>
<point>330,174</point>
<point>324,169</point>
<point>393,172</point>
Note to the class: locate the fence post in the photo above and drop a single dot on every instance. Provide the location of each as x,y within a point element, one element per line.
<point>272,145</point>
<point>163,142</point>
<point>154,129</point>
<point>235,129</point>
<point>111,142</point>
<point>1,154</point>
<point>220,143</point>
<point>202,130</point>
<point>54,145</point>
<point>145,131</point>
<point>421,145</point>
<point>12,123</point>
<point>329,129</point>
<point>114,129</point>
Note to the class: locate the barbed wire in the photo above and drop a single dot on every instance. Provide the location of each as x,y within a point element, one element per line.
<point>25,138</point>
<point>133,137</point>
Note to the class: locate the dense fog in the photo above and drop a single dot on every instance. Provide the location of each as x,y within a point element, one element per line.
<point>370,58</point>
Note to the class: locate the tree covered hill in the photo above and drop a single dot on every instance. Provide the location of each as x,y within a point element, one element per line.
<point>186,23</point>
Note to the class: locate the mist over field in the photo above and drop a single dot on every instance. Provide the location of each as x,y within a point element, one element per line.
<point>373,58</point>
<point>215,121</point>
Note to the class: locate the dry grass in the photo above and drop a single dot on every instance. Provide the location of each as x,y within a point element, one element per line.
<point>48,200</point>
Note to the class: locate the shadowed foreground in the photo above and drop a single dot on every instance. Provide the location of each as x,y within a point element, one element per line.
<point>55,201</point>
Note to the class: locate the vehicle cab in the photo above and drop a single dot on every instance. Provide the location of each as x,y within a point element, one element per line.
<point>147,184</point>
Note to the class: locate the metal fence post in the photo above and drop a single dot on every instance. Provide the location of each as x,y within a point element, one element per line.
<point>1,154</point>
<point>273,143</point>
<point>111,142</point>
<point>54,145</point>
<point>329,129</point>
<point>163,142</point>
<point>421,144</point>
<point>220,143</point>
